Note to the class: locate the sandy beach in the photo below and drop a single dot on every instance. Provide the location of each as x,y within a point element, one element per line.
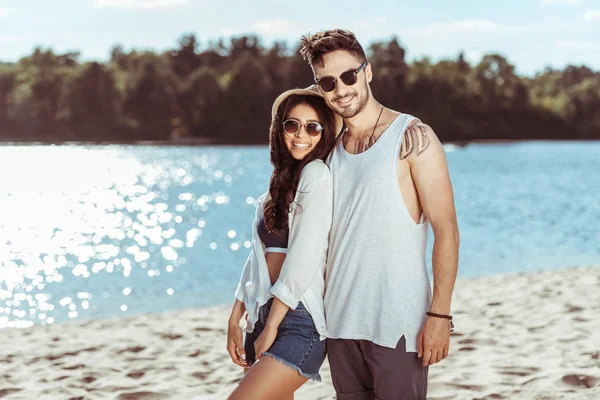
<point>524,336</point>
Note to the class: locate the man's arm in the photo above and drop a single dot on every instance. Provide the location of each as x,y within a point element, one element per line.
<point>429,170</point>
<point>427,159</point>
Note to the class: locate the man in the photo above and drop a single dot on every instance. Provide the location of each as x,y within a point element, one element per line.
<point>390,179</point>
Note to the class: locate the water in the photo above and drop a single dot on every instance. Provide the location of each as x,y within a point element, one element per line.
<point>89,232</point>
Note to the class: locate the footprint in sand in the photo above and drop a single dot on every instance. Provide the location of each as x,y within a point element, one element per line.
<point>170,336</point>
<point>136,374</point>
<point>202,329</point>
<point>66,354</point>
<point>200,375</point>
<point>73,367</point>
<point>133,349</point>
<point>490,397</point>
<point>519,371</point>
<point>142,396</point>
<point>7,359</point>
<point>466,386</point>
<point>195,354</point>
<point>6,392</point>
<point>478,341</point>
<point>572,308</point>
<point>580,380</point>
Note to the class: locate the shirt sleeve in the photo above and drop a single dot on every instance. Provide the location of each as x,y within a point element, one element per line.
<point>309,234</point>
<point>240,292</point>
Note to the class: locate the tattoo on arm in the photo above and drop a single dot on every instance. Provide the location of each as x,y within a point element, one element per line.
<point>415,140</point>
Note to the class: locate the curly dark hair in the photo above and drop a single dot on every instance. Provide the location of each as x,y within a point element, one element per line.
<point>286,173</point>
<point>314,47</point>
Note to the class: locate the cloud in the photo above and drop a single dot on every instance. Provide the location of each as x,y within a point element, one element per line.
<point>578,45</point>
<point>567,2</point>
<point>481,28</point>
<point>141,4</point>
<point>271,28</point>
<point>226,31</point>
<point>4,12</point>
<point>591,15</point>
<point>11,39</point>
<point>468,25</point>
<point>277,26</point>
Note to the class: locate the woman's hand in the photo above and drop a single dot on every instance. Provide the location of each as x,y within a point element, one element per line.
<point>265,340</point>
<point>235,343</point>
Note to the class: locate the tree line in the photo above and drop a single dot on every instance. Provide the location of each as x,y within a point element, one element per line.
<point>223,92</point>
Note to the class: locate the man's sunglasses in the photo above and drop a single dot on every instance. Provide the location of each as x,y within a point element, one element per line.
<point>328,83</point>
<point>292,126</point>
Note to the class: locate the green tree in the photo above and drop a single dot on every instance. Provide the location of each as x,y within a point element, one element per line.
<point>390,73</point>
<point>150,102</point>
<point>93,102</point>
<point>8,83</point>
<point>201,103</point>
<point>40,110</point>
<point>119,57</point>
<point>247,102</point>
<point>299,73</point>
<point>497,84</point>
<point>184,60</point>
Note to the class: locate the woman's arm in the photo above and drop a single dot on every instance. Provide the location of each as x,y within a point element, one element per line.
<point>235,341</point>
<point>267,337</point>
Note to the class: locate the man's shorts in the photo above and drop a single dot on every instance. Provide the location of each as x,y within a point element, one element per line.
<point>362,370</point>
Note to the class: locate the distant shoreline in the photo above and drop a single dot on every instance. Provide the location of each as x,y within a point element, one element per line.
<point>201,142</point>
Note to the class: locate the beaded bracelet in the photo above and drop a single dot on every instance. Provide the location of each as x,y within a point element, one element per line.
<point>449,317</point>
<point>431,314</point>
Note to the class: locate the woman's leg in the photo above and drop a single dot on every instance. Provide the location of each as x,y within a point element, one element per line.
<point>268,379</point>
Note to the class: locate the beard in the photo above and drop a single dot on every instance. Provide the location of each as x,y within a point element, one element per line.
<point>352,110</point>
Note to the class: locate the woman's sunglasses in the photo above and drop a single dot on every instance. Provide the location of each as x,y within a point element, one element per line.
<point>292,126</point>
<point>328,83</point>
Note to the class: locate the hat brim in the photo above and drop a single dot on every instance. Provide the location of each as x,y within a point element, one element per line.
<point>339,122</point>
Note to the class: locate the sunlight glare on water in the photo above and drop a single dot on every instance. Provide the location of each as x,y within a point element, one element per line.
<point>71,213</point>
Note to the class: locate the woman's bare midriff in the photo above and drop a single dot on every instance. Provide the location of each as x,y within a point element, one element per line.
<point>274,263</point>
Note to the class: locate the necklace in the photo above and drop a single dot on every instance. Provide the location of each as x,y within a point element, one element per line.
<point>376,122</point>
<point>371,141</point>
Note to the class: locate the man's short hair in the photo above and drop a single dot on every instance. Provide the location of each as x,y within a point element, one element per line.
<point>314,47</point>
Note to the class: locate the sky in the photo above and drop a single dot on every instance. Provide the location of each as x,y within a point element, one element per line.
<point>532,34</point>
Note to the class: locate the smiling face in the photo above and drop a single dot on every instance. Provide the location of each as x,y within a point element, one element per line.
<point>345,100</point>
<point>300,144</point>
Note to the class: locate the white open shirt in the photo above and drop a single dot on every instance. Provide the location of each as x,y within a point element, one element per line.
<point>302,276</point>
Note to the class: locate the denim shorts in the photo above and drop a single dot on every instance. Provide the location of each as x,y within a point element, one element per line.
<point>297,344</point>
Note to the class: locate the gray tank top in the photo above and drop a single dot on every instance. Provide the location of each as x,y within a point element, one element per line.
<point>377,287</point>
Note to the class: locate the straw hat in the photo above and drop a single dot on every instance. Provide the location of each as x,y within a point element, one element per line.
<point>309,91</point>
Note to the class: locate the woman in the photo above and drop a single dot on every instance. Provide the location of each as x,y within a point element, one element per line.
<point>282,284</point>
